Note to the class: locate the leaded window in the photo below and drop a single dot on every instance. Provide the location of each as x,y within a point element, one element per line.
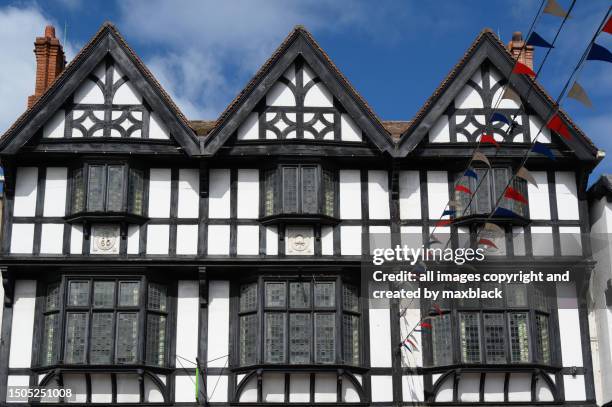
<point>103,321</point>
<point>299,189</point>
<point>107,188</point>
<point>304,322</point>
<point>514,330</point>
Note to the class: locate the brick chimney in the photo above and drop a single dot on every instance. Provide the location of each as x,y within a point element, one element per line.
<point>515,46</point>
<point>50,61</point>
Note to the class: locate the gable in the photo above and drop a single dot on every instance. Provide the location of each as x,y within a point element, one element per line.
<point>299,96</point>
<point>107,97</point>
<point>460,109</point>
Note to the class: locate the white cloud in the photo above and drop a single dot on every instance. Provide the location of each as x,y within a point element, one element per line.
<point>19,27</point>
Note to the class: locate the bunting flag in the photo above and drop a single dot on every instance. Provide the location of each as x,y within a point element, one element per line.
<point>463,188</point>
<point>425,325</point>
<point>438,309</point>
<point>405,345</point>
<point>537,41</point>
<point>578,93</point>
<point>478,156</point>
<point>449,212</point>
<point>411,342</point>
<point>489,139</point>
<point>555,9</point>
<point>608,27</point>
<point>443,222</point>
<point>511,95</point>
<point>498,117</point>
<point>542,149</point>
<point>526,175</point>
<point>487,242</point>
<point>512,193</point>
<point>599,53</point>
<point>556,124</point>
<point>504,213</point>
<point>523,69</point>
<point>470,173</point>
<point>494,229</point>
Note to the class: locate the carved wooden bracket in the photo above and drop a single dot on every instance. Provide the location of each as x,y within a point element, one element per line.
<point>8,283</point>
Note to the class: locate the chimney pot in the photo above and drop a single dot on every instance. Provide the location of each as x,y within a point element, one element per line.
<point>50,31</point>
<point>50,62</point>
<point>523,53</point>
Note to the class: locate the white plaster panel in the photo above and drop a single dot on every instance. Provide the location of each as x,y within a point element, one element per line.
<point>101,388</point>
<point>325,388</point>
<point>318,96</point>
<point>280,95</point>
<point>542,391</point>
<point>22,327</point>
<point>55,191</point>
<point>349,131</point>
<point>439,132</point>
<point>76,383</point>
<point>88,93</point>
<point>542,240</point>
<point>519,387</point>
<point>248,194</point>
<point>538,131</point>
<point>468,98</point>
<point>570,238</point>
<point>184,390</point>
<point>350,194</point>
<point>76,239</point>
<point>411,236</point>
<point>188,193</point>
<point>186,239</point>
<point>157,128</point>
<point>299,388</point>
<point>151,392</point>
<point>379,237</point>
<point>412,388</point>
<point>380,332</point>
<point>518,240</point>
<point>54,128</point>
<point>349,393</point>
<point>569,325</point>
<point>22,238</point>
<point>378,194</point>
<point>437,193</point>
<point>187,316</point>
<point>249,130</point>
<point>539,204</point>
<point>219,193</point>
<point>247,240</point>
<point>133,239</point>
<point>159,193</point>
<point>126,94</point>
<point>249,391</point>
<point>26,183</point>
<point>327,240</point>
<point>218,392</point>
<point>409,195</point>
<point>382,388</point>
<point>218,239</point>
<point>158,239</point>
<point>494,387</point>
<point>271,240</point>
<point>469,388</point>
<point>52,238</point>
<point>567,197</point>
<point>17,380</point>
<point>218,322</point>
<point>273,387</point>
<point>445,391</point>
<point>574,388</point>
<point>350,240</point>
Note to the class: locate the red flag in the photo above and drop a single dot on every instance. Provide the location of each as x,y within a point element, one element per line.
<point>523,69</point>
<point>426,325</point>
<point>461,188</point>
<point>487,242</point>
<point>608,27</point>
<point>512,193</point>
<point>444,222</point>
<point>557,125</point>
<point>438,309</point>
<point>488,138</point>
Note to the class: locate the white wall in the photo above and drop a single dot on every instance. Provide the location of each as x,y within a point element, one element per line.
<point>159,193</point>
<point>55,191</point>
<point>567,196</point>
<point>22,328</point>
<point>26,186</point>
<point>437,193</point>
<point>187,320</point>
<point>188,193</point>
<point>218,322</point>
<point>409,195</point>
<point>219,193</point>
<point>350,194</point>
<point>248,193</point>
<point>378,194</point>
<point>539,203</point>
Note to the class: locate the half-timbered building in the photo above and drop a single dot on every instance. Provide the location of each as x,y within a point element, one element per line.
<point>137,243</point>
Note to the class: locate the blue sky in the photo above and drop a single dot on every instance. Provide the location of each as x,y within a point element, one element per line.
<point>395,53</point>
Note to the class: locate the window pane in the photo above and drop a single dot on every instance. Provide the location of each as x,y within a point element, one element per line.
<point>95,188</point>
<point>101,347</point>
<point>156,339</point>
<point>104,294</point>
<point>275,294</point>
<point>274,337</point>
<point>290,191</point>
<point>441,340</point>
<point>299,338</point>
<point>76,337</point>
<point>157,297</point>
<point>52,299</point>
<point>78,191</point>
<point>521,186</point>
<point>482,203</point>
<point>269,192</point>
<point>248,339</point>
<point>129,293</point>
<point>325,335</point>
<point>114,196</point>
<point>462,198</point>
<point>299,295</point>
<point>135,192</point>
<point>328,193</point>
<point>350,339</point>
<point>127,337</point>
<point>470,337</point>
<point>309,190</point>
<point>78,293</point>
<point>350,298</point>
<point>48,352</point>
<point>248,297</point>
<point>516,295</point>
<point>325,294</point>
<point>519,337</point>
<point>494,338</point>
<point>543,339</point>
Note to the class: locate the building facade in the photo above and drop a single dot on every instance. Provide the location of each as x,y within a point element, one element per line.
<point>138,245</point>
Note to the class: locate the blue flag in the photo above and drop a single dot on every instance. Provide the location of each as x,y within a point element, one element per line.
<point>448,212</point>
<point>542,149</point>
<point>498,117</point>
<point>470,173</point>
<point>599,53</point>
<point>537,41</point>
<point>504,213</point>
